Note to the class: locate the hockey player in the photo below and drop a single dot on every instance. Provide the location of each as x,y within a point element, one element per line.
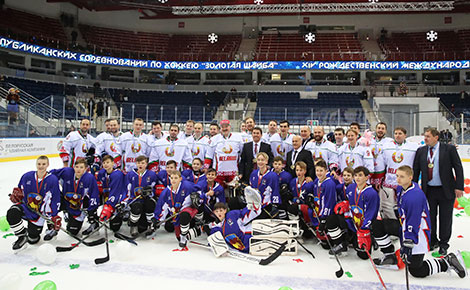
<point>194,174</point>
<point>322,148</point>
<point>414,232</point>
<point>76,144</point>
<point>272,130</point>
<point>80,195</point>
<point>223,152</point>
<point>134,143</point>
<point>37,192</point>
<point>394,154</point>
<point>348,178</point>
<point>188,130</point>
<point>235,225</point>
<point>281,142</point>
<point>176,200</point>
<point>353,154</point>
<point>163,177</point>
<point>170,148</point>
<point>112,183</point>
<point>306,135</point>
<point>140,193</point>
<point>211,193</point>
<point>156,133</point>
<point>108,143</point>
<point>213,130</point>
<point>360,210</point>
<point>278,168</point>
<point>198,142</point>
<point>250,125</point>
<point>339,138</point>
<point>376,147</point>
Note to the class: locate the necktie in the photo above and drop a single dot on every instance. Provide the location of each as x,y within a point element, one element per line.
<point>293,157</point>
<point>256,149</point>
<point>255,165</point>
<point>430,164</point>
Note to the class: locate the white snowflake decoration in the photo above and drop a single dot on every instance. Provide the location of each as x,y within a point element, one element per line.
<point>373,1</point>
<point>213,38</point>
<point>162,1</point>
<point>310,37</point>
<point>258,2</point>
<point>431,35</point>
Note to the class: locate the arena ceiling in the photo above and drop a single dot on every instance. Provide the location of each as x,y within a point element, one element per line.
<point>156,9</point>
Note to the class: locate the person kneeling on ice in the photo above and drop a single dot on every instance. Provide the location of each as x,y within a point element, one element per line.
<point>414,232</point>
<point>36,196</point>
<point>80,195</point>
<point>140,191</point>
<point>112,181</point>
<point>235,225</point>
<point>177,206</point>
<point>354,216</point>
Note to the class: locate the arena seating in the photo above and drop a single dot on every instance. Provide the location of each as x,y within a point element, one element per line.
<point>460,105</point>
<point>327,46</point>
<point>324,108</point>
<point>414,46</point>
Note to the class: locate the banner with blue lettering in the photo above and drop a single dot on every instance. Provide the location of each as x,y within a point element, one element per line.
<point>233,65</point>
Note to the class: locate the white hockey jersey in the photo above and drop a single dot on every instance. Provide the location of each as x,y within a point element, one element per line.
<point>395,155</point>
<point>224,153</point>
<point>266,138</point>
<point>132,147</point>
<point>198,147</point>
<point>75,146</point>
<point>355,156</point>
<point>246,137</point>
<point>379,167</point>
<point>280,146</point>
<point>165,150</point>
<point>325,150</point>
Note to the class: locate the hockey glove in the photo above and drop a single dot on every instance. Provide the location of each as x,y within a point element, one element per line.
<point>196,201</point>
<point>17,195</point>
<point>322,226</point>
<point>147,191</point>
<point>341,207</point>
<point>311,201</point>
<point>406,250</point>
<point>57,222</point>
<point>363,239</point>
<point>106,212</point>
<point>155,224</point>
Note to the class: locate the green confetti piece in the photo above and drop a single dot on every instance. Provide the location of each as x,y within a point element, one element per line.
<point>458,215</point>
<point>111,241</point>
<point>33,269</point>
<point>8,235</point>
<point>436,254</point>
<point>74,266</point>
<point>38,273</point>
<point>348,274</point>
<point>462,211</point>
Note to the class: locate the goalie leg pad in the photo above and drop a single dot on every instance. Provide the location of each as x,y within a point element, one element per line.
<point>265,246</point>
<point>217,243</point>
<point>276,228</point>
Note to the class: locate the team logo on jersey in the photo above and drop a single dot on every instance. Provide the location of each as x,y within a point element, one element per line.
<point>349,162</point>
<point>59,145</point>
<point>136,148</point>
<point>227,150</point>
<point>84,149</point>
<point>235,242</point>
<point>74,199</point>
<point>316,204</point>
<point>375,154</point>
<point>280,150</point>
<point>34,201</point>
<point>319,155</point>
<point>358,215</point>
<point>169,152</point>
<point>196,152</point>
<point>397,158</point>
<point>112,147</point>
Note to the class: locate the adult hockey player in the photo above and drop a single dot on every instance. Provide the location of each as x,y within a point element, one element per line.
<point>108,143</point>
<point>198,142</point>
<point>77,144</point>
<point>376,147</point>
<point>353,154</point>
<point>322,148</point>
<point>281,142</point>
<point>37,192</point>
<point>133,144</point>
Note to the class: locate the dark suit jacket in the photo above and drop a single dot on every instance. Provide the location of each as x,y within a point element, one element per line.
<point>246,161</point>
<point>448,160</point>
<point>305,156</point>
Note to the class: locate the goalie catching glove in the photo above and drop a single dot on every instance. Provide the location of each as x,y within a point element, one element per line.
<point>253,198</point>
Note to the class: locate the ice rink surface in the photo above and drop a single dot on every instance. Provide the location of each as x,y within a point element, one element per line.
<point>154,264</point>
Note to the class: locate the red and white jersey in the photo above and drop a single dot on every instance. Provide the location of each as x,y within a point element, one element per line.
<point>280,146</point>
<point>395,155</point>
<point>198,146</point>
<point>151,138</point>
<point>325,150</point>
<point>165,150</point>
<point>355,156</point>
<point>224,154</point>
<point>266,138</point>
<point>132,147</point>
<point>111,145</point>
<point>75,146</point>
<point>246,136</point>
<point>376,146</point>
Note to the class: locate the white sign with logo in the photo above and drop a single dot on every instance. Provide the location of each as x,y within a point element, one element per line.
<point>25,147</point>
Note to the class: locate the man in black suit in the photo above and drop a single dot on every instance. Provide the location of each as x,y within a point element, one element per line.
<point>437,163</point>
<point>299,154</point>
<point>249,152</point>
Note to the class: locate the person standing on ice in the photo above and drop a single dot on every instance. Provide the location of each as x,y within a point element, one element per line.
<point>77,144</point>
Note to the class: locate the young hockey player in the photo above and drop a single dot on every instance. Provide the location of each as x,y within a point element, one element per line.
<point>80,195</point>
<point>348,178</point>
<point>414,232</point>
<point>194,174</point>
<point>278,168</point>
<point>211,193</point>
<point>140,192</point>
<point>353,154</point>
<point>360,210</point>
<point>134,143</point>
<point>113,186</point>
<point>77,144</point>
<point>37,192</point>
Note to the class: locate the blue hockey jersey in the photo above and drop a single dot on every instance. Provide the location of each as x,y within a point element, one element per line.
<point>324,194</point>
<point>364,207</point>
<point>189,175</point>
<point>300,191</point>
<point>171,202</point>
<point>210,201</point>
<point>136,183</point>
<point>284,177</point>
<point>114,184</point>
<point>341,192</point>
<point>268,186</point>
<point>163,178</point>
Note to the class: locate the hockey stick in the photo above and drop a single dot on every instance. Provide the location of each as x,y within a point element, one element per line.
<point>104,259</point>
<point>247,257</point>
<point>89,244</point>
<point>306,250</point>
<point>162,222</point>
<point>340,272</point>
<point>406,275</point>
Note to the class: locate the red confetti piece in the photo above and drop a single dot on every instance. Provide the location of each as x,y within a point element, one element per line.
<point>239,274</point>
<point>459,236</point>
<point>74,245</point>
<point>298,260</point>
<point>185,249</point>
